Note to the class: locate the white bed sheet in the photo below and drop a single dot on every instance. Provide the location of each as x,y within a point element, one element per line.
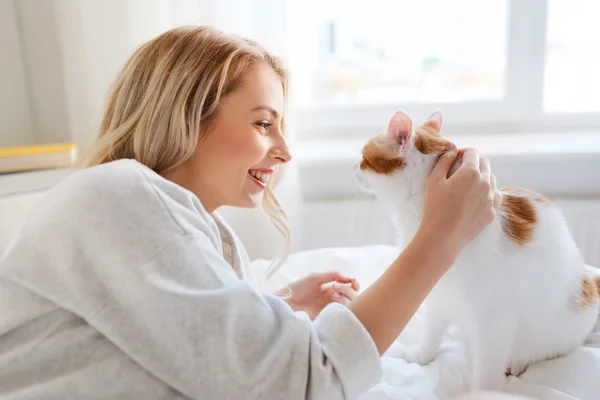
<point>574,376</point>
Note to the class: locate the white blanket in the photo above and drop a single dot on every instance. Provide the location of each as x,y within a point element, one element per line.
<point>574,376</point>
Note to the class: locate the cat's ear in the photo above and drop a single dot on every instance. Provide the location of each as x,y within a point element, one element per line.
<point>400,128</point>
<point>435,121</point>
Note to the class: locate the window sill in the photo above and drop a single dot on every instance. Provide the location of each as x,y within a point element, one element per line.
<point>565,164</point>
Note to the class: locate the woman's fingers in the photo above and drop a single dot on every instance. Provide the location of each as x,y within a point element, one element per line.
<point>343,291</point>
<point>442,167</point>
<point>497,200</point>
<point>484,168</point>
<point>493,184</point>
<point>339,297</point>
<point>336,276</point>
<point>342,300</point>
<point>470,159</point>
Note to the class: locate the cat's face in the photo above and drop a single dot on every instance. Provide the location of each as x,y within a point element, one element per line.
<point>395,165</point>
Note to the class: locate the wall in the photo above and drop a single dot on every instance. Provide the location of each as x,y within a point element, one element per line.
<point>42,58</point>
<point>61,57</point>
<point>15,105</point>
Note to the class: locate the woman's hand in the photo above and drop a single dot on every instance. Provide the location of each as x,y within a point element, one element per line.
<point>458,208</point>
<point>313,292</point>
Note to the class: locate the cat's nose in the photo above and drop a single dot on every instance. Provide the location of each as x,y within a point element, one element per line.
<point>356,165</point>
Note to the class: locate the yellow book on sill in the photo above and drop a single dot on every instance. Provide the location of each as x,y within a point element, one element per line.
<point>45,156</point>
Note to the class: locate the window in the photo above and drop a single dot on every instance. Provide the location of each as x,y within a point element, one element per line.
<point>401,56</point>
<point>495,65</point>
<point>572,81</point>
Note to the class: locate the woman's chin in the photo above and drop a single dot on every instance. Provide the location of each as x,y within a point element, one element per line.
<point>252,196</point>
<point>251,200</point>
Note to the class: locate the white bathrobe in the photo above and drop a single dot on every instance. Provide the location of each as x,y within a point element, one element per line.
<point>121,286</point>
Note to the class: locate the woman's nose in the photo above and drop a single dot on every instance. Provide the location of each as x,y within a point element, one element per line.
<point>281,152</point>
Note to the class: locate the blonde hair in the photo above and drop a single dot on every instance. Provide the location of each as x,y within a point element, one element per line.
<point>167,94</point>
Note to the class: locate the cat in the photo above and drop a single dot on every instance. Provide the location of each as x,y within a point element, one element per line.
<point>518,293</point>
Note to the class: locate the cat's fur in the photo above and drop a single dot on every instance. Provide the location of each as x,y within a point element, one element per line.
<point>518,292</point>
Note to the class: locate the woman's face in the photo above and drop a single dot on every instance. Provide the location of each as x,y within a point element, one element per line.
<point>244,144</point>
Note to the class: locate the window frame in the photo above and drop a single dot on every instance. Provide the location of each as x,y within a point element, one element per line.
<point>521,110</point>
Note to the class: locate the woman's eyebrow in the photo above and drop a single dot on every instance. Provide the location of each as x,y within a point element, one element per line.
<point>269,109</point>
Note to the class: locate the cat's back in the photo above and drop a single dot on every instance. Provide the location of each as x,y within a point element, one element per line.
<point>528,227</point>
<point>528,220</point>
<point>527,253</point>
<point>535,238</point>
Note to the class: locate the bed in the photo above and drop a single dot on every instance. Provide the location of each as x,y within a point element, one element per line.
<point>574,376</point>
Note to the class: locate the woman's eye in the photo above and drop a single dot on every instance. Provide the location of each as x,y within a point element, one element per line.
<point>263,124</point>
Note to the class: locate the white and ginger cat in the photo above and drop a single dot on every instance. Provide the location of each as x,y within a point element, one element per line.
<point>518,293</point>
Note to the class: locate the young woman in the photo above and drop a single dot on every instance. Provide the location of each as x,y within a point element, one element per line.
<point>126,284</point>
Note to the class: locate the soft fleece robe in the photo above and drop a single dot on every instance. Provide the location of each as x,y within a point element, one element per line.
<point>121,286</point>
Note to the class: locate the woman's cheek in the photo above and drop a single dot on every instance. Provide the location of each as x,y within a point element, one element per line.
<point>254,150</point>
<point>244,144</point>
